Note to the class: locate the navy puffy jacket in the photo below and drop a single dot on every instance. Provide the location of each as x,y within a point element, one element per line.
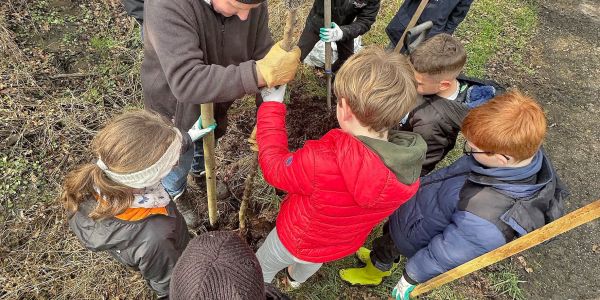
<point>458,215</point>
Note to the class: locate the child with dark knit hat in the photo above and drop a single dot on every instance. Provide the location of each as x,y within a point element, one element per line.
<point>219,265</point>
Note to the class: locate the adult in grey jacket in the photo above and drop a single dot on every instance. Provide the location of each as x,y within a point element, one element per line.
<point>201,51</point>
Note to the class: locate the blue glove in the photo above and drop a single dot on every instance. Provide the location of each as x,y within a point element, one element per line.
<point>332,34</point>
<point>402,290</point>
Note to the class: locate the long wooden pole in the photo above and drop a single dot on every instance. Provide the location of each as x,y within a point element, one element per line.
<point>411,24</point>
<point>572,220</point>
<point>288,31</point>
<point>207,115</point>
<point>328,52</point>
<point>287,45</point>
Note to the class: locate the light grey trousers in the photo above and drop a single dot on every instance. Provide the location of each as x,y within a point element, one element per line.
<point>274,257</point>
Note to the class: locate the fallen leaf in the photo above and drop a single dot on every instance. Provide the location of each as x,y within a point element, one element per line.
<point>522,261</point>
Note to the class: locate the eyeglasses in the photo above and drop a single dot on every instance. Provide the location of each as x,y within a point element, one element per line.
<point>468,150</point>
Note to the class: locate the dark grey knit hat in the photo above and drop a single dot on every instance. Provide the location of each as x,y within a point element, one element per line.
<point>217,265</point>
<point>251,1</point>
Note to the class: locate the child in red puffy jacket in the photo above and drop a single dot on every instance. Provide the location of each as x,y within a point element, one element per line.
<point>341,186</point>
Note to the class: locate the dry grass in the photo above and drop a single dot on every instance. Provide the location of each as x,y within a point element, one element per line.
<point>48,121</point>
<point>42,260</point>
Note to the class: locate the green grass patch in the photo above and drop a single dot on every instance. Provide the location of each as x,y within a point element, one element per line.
<point>377,35</point>
<point>495,28</point>
<point>507,282</point>
<point>446,292</point>
<point>102,44</point>
<point>17,176</point>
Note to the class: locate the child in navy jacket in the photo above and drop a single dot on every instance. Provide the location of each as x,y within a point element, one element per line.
<point>503,188</point>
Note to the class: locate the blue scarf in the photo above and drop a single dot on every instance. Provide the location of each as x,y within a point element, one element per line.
<point>509,175</point>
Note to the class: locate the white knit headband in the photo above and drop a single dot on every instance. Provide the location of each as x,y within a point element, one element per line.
<point>151,175</point>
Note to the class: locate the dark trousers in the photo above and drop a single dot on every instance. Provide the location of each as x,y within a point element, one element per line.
<point>384,253</point>
<point>310,37</point>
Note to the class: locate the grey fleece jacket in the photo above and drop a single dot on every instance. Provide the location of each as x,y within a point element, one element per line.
<point>151,245</point>
<point>194,55</point>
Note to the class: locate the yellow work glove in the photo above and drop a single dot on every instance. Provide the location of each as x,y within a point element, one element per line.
<point>279,66</point>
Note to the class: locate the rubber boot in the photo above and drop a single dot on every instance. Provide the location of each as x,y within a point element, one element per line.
<point>367,275</point>
<point>363,254</point>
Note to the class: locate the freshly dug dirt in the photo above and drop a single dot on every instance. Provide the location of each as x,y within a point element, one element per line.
<point>234,158</point>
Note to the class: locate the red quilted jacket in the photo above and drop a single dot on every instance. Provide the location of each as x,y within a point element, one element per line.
<point>338,188</point>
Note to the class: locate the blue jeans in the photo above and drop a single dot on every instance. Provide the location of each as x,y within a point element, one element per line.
<point>176,181</point>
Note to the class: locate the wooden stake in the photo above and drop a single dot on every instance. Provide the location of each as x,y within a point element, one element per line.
<point>411,24</point>
<point>207,113</point>
<point>574,219</point>
<point>287,45</point>
<point>288,31</point>
<point>249,182</point>
<point>328,52</point>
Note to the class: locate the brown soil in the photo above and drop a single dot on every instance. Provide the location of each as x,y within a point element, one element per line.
<point>234,158</point>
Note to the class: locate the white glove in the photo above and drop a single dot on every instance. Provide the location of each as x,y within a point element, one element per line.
<point>402,290</point>
<point>197,132</point>
<point>332,34</point>
<point>274,94</point>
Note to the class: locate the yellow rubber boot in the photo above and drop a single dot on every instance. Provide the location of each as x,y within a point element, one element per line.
<point>363,254</point>
<point>368,275</point>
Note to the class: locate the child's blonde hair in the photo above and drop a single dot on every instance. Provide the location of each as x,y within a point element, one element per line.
<point>441,55</point>
<point>379,87</point>
<point>129,143</point>
<point>511,124</point>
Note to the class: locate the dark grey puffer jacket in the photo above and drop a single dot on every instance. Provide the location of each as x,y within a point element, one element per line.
<point>438,120</point>
<point>151,245</point>
<point>354,17</point>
